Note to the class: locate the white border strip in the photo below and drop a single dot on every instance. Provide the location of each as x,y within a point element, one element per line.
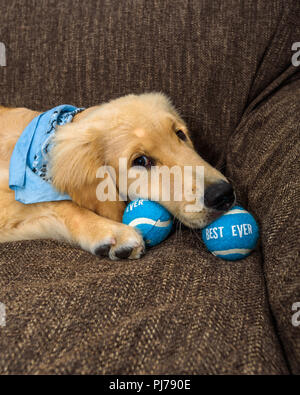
<point>149,221</point>
<point>236,211</point>
<point>242,251</point>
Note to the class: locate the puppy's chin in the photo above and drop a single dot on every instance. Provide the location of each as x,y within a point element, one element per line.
<point>200,220</point>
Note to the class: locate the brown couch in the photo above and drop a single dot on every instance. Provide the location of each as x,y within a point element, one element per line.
<point>179,310</point>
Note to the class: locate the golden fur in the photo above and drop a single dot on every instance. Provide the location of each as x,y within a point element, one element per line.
<point>129,126</point>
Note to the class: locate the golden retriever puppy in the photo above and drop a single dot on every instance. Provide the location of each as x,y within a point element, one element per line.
<point>144,129</point>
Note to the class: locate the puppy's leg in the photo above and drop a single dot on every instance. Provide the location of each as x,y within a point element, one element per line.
<point>99,235</point>
<point>67,221</point>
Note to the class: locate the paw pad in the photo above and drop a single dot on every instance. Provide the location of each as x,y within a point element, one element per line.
<point>123,253</point>
<point>103,250</point>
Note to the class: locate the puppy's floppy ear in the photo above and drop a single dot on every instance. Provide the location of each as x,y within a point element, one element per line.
<point>75,157</point>
<point>77,154</point>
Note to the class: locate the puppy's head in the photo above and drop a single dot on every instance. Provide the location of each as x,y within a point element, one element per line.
<point>150,137</point>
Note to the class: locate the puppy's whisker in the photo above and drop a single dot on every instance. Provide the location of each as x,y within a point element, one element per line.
<point>196,235</point>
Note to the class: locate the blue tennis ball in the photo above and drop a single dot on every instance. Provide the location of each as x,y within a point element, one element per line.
<point>152,220</point>
<point>232,236</point>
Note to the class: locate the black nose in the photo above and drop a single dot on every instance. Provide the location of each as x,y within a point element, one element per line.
<point>219,196</point>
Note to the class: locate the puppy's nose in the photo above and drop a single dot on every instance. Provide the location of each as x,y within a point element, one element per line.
<point>219,196</point>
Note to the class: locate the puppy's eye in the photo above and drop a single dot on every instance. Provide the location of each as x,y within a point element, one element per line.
<point>143,161</point>
<point>181,135</point>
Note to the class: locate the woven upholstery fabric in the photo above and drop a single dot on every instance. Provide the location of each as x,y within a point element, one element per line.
<point>227,66</point>
<point>175,311</point>
<point>211,57</point>
<point>264,162</point>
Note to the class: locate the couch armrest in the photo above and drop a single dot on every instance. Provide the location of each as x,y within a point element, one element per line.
<point>263,160</point>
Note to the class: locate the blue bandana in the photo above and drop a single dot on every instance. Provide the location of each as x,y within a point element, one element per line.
<point>28,164</point>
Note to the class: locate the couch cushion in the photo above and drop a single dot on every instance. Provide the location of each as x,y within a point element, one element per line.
<point>178,310</point>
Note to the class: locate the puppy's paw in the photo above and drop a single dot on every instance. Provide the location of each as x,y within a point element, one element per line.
<point>124,243</point>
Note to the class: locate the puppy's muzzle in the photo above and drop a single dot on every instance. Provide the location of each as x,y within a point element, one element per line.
<point>219,196</point>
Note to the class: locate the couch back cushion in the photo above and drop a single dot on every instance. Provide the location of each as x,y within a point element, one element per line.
<point>211,57</point>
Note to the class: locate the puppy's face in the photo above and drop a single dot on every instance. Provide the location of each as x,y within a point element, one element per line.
<point>150,137</point>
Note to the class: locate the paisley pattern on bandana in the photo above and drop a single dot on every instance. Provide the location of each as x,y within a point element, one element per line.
<point>29,161</point>
<point>40,160</point>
